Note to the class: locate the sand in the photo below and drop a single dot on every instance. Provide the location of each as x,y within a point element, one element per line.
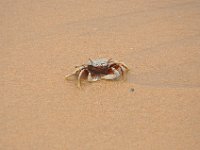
<point>41,41</point>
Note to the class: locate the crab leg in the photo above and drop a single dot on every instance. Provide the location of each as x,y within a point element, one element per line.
<point>113,76</point>
<point>79,78</point>
<point>121,70</point>
<point>75,72</point>
<point>80,66</point>
<point>123,65</point>
<point>69,75</point>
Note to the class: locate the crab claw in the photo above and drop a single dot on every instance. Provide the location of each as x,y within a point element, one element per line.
<point>93,78</point>
<point>114,76</point>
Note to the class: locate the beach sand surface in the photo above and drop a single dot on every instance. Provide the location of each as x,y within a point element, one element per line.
<point>157,107</point>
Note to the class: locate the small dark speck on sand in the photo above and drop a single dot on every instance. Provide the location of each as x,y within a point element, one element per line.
<point>132,90</point>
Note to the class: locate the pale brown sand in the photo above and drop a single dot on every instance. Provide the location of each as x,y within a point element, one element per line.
<point>42,40</point>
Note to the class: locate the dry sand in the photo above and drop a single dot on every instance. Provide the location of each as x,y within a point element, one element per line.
<point>42,40</point>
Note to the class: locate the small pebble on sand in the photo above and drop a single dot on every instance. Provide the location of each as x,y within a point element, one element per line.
<point>132,90</point>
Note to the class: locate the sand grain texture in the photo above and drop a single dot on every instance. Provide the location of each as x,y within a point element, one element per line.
<point>40,43</point>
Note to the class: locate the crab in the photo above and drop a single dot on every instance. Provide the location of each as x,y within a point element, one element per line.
<point>98,69</point>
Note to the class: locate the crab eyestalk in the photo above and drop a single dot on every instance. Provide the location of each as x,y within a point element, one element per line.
<point>109,60</point>
<point>91,61</point>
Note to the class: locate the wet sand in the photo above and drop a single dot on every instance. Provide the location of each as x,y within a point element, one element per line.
<point>42,41</point>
